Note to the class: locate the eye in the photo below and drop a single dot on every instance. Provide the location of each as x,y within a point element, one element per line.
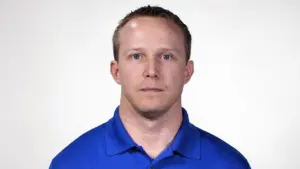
<point>167,56</point>
<point>136,56</point>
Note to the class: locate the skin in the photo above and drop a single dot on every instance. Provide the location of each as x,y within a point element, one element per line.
<point>152,71</point>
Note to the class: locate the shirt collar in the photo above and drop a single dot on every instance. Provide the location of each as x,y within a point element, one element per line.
<point>187,141</point>
<point>117,138</point>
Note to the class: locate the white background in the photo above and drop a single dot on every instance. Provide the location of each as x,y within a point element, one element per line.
<point>56,85</point>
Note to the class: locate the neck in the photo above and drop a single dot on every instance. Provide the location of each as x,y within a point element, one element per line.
<point>145,132</point>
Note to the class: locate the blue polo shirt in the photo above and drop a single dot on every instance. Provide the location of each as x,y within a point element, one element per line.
<point>109,146</point>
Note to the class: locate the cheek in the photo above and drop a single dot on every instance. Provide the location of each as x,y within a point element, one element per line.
<point>129,76</point>
<point>174,77</point>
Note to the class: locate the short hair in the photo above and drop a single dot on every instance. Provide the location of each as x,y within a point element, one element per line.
<point>152,11</point>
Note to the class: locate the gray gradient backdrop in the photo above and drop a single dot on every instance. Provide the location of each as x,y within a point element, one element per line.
<point>56,85</point>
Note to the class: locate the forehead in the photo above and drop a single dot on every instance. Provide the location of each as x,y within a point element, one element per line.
<point>151,32</point>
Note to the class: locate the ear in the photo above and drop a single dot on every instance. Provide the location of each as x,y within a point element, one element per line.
<point>189,71</point>
<point>114,70</point>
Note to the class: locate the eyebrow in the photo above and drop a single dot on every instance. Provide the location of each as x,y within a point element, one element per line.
<point>159,50</point>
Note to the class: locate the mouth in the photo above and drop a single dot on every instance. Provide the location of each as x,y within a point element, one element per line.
<point>149,89</point>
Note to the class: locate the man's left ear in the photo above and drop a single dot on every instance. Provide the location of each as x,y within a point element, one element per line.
<point>189,71</point>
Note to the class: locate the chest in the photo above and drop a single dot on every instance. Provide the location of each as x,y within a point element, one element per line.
<point>140,161</point>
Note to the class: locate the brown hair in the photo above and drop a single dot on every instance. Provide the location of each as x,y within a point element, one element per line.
<point>153,11</point>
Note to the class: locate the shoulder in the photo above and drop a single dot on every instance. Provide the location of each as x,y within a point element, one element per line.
<point>219,151</point>
<point>82,151</point>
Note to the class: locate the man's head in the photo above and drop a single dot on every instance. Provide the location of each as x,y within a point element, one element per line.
<point>156,12</point>
<point>151,51</point>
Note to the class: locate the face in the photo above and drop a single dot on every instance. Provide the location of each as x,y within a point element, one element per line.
<point>152,67</point>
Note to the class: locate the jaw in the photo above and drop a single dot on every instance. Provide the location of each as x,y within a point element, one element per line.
<point>149,106</point>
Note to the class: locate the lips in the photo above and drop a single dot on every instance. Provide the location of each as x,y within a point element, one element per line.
<point>150,89</point>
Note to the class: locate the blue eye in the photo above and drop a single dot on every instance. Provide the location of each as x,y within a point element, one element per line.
<point>166,57</point>
<point>136,56</point>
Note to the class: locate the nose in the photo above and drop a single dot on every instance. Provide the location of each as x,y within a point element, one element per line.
<point>151,69</point>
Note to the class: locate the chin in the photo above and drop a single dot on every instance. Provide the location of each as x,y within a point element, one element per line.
<point>151,111</point>
<point>149,107</point>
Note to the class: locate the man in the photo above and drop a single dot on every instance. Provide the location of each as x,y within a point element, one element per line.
<point>150,128</point>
